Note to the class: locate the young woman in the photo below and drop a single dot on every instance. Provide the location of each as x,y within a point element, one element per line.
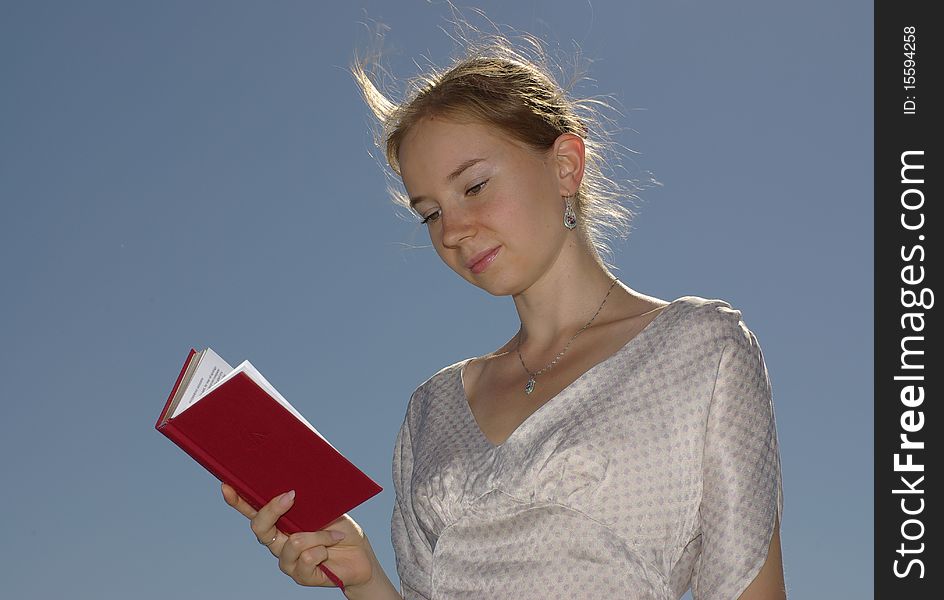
<point>616,445</point>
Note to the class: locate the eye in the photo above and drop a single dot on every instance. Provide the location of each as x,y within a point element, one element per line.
<point>433,216</point>
<point>476,188</point>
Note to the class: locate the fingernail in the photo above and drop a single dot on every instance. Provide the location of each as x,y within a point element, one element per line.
<point>337,536</point>
<point>287,498</point>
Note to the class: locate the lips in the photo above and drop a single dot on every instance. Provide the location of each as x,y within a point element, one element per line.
<point>480,261</point>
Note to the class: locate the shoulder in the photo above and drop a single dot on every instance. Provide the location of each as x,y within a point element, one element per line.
<point>707,309</point>
<point>698,326</point>
<point>712,318</point>
<point>444,381</point>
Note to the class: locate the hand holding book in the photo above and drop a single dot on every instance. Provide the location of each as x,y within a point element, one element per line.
<point>342,547</point>
<point>237,425</point>
<point>351,558</point>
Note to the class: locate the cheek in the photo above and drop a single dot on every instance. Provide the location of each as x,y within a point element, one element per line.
<point>506,211</point>
<point>527,218</point>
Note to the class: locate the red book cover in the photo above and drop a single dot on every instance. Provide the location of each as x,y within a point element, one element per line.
<point>247,439</point>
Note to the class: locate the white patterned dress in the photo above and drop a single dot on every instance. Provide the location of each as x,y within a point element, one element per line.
<point>656,470</point>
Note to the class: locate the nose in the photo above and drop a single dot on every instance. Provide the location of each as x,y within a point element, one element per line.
<point>457,225</point>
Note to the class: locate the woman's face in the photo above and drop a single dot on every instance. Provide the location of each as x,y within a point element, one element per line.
<point>484,195</point>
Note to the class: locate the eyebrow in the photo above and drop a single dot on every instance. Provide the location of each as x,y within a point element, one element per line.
<point>450,177</point>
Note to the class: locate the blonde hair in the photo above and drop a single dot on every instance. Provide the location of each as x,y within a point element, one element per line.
<point>495,84</point>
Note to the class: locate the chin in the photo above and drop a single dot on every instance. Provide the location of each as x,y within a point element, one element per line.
<point>495,288</point>
<point>495,282</point>
<point>498,293</point>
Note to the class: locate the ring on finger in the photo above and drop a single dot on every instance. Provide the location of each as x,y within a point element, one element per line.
<point>270,542</point>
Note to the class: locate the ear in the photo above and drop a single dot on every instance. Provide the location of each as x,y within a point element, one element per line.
<point>569,155</point>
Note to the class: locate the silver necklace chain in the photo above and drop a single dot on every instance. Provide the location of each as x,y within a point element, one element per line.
<point>529,387</point>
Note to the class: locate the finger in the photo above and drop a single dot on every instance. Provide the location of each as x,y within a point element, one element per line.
<point>300,563</point>
<point>276,543</point>
<point>307,569</point>
<point>303,552</point>
<point>263,524</point>
<point>236,501</point>
<point>298,543</point>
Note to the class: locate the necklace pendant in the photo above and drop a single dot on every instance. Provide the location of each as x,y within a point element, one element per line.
<point>529,387</point>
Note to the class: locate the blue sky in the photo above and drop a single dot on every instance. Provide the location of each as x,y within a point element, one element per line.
<point>181,174</point>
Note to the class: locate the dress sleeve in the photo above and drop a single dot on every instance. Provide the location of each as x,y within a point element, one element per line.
<point>412,549</point>
<point>742,491</point>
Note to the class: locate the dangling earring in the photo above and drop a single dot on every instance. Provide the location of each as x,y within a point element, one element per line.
<point>570,216</point>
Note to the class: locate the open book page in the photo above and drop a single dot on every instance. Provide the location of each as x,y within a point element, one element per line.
<point>211,369</point>
<point>247,368</point>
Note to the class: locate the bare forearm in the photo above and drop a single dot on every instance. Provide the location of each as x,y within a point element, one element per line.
<point>379,587</point>
<point>375,590</point>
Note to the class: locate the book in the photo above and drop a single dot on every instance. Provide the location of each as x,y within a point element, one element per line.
<point>235,424</point>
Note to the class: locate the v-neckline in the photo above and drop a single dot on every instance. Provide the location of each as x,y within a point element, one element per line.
<point>464,399</point>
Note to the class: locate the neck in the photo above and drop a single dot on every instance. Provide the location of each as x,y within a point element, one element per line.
<point>564,298</point>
